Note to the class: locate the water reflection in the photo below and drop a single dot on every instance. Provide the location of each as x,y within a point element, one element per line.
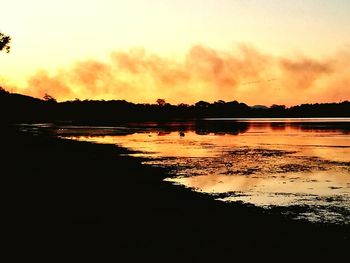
<point>266,163</point>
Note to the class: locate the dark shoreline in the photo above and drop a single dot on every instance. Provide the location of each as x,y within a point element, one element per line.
<point>58,181</point>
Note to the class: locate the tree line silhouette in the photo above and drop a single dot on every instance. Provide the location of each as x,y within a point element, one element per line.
<point>20,108</point>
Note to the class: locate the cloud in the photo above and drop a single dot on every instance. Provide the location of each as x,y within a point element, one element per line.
<point>41,83</point>
<point>243,73</point>
<point>302,73</point>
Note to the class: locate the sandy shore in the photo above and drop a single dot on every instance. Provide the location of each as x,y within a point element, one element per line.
<point>56,181</point>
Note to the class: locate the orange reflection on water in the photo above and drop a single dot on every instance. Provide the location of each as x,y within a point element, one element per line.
<point>263,163</point>
<point>281,189</point>
<point>160,144</point>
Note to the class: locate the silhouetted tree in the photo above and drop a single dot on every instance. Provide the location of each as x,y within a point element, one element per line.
<point>5,42</point>
<point>49,98</point>
<point>278,107</point>
<point>161,102</point>
<point>2,90</point>
<point>220,102</point>
<point>202,104</point>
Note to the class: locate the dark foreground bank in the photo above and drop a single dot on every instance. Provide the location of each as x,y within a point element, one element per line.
<point>54,182</point>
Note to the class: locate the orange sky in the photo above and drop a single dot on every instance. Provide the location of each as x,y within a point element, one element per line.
<point>258,52</point>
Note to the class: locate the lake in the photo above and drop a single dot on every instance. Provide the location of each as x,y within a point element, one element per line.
<point>300,167</point>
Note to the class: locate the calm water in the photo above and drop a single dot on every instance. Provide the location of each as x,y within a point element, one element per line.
<point>284,163</point>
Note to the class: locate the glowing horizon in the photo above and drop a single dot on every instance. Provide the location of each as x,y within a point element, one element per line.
<point>257,52</point>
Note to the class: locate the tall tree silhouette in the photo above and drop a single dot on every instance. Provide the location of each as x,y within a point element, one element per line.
<point>5,42</point>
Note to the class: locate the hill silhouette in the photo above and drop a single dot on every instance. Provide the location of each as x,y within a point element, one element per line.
<point>21,108</point>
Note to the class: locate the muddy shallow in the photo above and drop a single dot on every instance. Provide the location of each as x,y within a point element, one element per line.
<point>301,168</point>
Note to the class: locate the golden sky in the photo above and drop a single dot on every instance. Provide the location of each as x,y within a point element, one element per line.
<point>258,52</point>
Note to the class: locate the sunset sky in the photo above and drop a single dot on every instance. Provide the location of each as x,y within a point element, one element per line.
<point>255,51</point>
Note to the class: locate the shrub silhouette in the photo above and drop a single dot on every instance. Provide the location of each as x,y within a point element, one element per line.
<point>5,42</point>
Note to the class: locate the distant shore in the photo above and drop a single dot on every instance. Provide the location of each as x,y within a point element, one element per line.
<point>20,108</point>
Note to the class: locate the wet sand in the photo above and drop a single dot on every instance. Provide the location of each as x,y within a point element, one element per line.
<point>53,181</point>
